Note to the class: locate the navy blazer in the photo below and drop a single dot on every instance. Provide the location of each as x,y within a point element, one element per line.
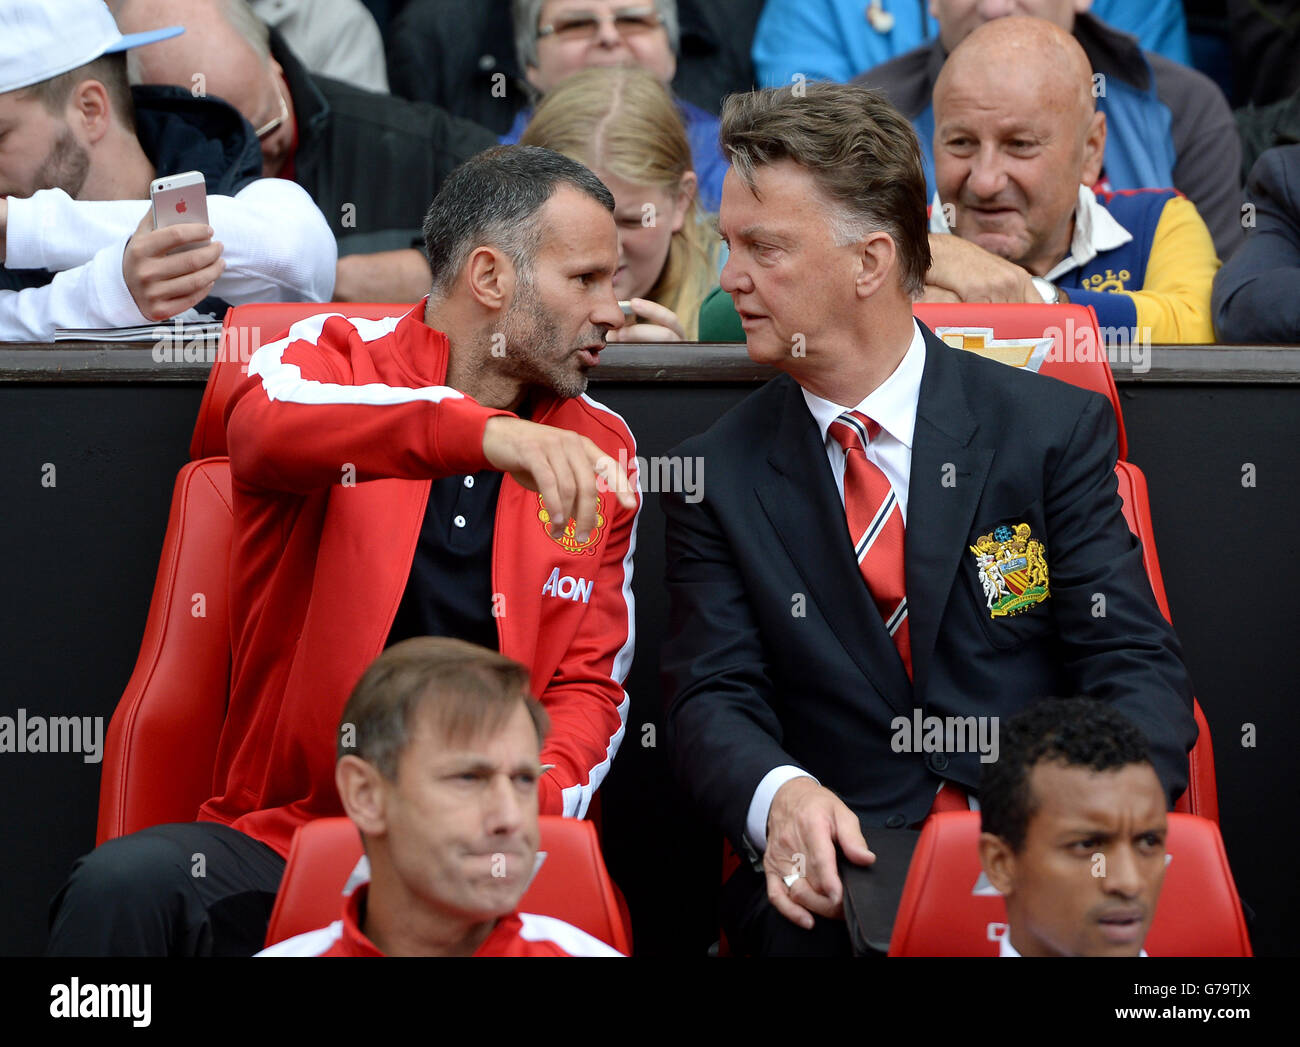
<point>1255,296</point>
<point>776,654</point>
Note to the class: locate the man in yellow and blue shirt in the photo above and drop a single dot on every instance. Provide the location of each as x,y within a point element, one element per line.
<point>1018,140</point>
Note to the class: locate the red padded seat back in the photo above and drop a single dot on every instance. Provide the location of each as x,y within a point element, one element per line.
<point>1199,913</point>
<point>1077,355</point>
<point>162,740</point>
<point>1202,794</point>
<point>572,884</point>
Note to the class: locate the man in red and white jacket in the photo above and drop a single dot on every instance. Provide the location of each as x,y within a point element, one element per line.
<point>438,473</point>
<point>438,768</point>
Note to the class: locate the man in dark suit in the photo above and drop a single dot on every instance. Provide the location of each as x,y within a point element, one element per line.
<point>894,534</point>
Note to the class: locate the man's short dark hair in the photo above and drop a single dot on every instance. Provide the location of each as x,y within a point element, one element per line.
<point>860,150</point>
<point>458,688</point>
<point>493,199</point>
<point>109,70</point>
<point>1073,732</point>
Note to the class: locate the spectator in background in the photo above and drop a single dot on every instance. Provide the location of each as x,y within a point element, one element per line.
<point>841,39</point>
<point>1265,127</point>
<point>713,57</point>
<point>1167,125</point>
<point>623,125</point>
<point>439,773</point>
<point>1255,292</point>
<point>557,38</point>
<point>1073,831</point>
<point>1018,143</point>
<point>371,162</point>
<point>334,38</point>
<point>477,75</point>
<point>78,151</point>
<point>1018,140</point>
<point>1264,36</point>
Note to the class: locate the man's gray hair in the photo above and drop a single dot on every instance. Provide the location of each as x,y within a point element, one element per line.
<point>528,13</point>
<point>245,21</point>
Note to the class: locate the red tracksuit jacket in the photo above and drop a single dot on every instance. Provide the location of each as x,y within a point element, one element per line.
<point>334,439</point>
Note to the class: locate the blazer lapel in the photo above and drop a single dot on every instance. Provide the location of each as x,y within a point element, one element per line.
<point>804,508</point>
<point>947,480</point>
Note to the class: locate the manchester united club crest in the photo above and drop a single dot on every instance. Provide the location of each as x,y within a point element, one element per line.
<point>569,540</point>
<point>1012,569</point>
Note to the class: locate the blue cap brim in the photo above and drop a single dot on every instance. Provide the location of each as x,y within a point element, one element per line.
<point>130,40</point>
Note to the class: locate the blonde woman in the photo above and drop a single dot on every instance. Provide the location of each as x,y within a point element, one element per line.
<point>623,124</point>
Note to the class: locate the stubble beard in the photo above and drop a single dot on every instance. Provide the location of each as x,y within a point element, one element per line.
<point>66,166</point>
<point>535,353</point>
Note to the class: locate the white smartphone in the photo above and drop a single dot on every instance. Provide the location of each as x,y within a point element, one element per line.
<point>178,199</point>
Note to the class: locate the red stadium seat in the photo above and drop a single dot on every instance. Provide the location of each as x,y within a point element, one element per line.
<point>1202,794</point>
<point>572,884</point>
<point>1077,355</point>
<point>1199,912</point>
<point>1137,512</point>
<point>245,330</point>
<point>162,740</point>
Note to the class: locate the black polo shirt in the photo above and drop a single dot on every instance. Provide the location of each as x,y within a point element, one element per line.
<point>449,591</point>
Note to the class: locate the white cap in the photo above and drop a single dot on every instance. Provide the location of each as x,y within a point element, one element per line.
<point>39,39</point>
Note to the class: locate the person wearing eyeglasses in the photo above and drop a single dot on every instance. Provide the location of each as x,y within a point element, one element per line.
<point>79,148</point>
<point>371,162</point>
<point>557,38</point>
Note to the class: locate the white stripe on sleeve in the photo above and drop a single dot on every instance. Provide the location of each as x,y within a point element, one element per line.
<point>284,382</point>
<point>577,798</point>
<point>575,942</point>
<point>313,943</point>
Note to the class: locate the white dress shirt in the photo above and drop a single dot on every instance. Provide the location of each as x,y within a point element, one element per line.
<point>892,406</point>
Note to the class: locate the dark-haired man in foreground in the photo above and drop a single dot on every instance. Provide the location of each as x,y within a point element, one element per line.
<point>438,767</point>
<point>1073,820</point>
<point>429,474</point>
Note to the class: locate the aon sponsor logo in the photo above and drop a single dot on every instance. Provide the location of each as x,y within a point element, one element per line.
<point>566,587</point>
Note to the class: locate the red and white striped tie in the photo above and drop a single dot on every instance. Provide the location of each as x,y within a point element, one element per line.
<point>876,527</point>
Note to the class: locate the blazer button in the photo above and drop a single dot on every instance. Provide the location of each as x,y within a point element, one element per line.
<point>895,821</point>
<point>938,762</point>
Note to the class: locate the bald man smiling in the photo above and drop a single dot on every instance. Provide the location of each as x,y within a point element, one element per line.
<point>1018,140</point>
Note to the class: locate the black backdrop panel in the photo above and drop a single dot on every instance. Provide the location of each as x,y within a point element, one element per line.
<point>80,559</point>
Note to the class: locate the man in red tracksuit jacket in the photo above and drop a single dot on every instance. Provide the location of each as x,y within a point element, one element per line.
<point>351,444</point>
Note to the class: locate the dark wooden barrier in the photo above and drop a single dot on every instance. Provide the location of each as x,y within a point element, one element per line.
<point>115,423</point>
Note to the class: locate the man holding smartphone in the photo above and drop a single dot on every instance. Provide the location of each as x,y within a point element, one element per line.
<point>78,151</point>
